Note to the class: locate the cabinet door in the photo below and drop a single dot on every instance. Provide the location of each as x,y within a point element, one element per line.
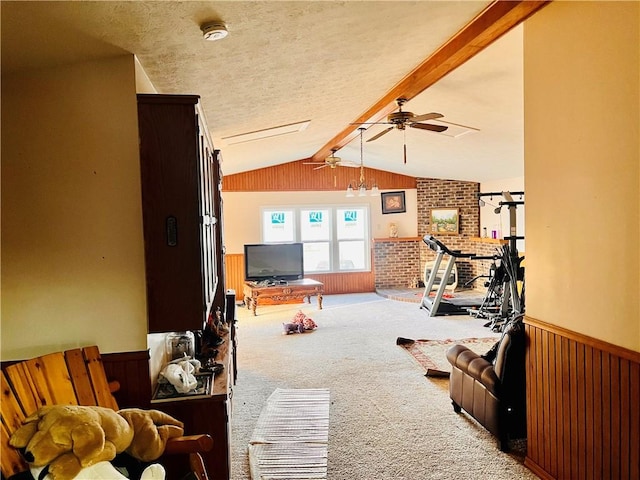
<point>172,211</point>
<point>209,220</point>
<point>221,289</point>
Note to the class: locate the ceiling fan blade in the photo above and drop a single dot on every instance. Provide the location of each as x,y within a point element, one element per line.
<point>427,116</point>
<point>375,137</point>
<point>428,126</point>
<point>321,166</point>
<point>460,125</point>
<point>371,123</point>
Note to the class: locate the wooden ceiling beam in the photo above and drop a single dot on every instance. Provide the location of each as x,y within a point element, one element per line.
<point>493,22</point>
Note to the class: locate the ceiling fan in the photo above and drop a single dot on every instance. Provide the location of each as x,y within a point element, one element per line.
<point>332,161</point>
<point>402,119</point>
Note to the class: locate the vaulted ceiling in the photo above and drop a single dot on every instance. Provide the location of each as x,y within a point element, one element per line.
<point>333,64</point>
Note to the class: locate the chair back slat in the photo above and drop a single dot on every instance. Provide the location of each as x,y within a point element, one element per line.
<point>51,379</point>
<point>12,461</point>
<point>80,377</point>
<point>10,408</point>
<point>99,378</point>
<point>20,388</point>
<point>12,417</point>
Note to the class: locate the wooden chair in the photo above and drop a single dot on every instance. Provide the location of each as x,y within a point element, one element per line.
<point>73,377</point>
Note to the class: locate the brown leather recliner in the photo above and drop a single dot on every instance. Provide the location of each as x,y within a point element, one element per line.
<point>493,390</point>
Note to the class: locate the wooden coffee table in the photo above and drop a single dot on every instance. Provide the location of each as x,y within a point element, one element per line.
<point>300,289</point>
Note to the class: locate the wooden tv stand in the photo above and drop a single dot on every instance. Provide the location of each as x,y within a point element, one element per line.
<point>301,289</point>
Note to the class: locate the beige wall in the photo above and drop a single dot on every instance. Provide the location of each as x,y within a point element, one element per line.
<point>582,174</point>
<point>242,213</point>
<point>72,248</point>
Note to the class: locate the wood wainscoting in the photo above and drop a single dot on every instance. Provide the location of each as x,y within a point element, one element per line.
<point>334,283</point>
<point>131,371</point>
<point>583,407</point>
<point>234,273</point>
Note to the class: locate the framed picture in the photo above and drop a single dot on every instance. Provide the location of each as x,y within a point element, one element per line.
<point>445,221</point>
<point>393,202</point>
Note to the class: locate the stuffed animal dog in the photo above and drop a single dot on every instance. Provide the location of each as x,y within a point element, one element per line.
<point>70,437</point>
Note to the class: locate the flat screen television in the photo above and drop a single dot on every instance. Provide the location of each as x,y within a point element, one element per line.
<point>273,261</point>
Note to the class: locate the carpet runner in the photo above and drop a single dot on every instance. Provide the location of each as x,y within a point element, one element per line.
<point>432,354</point>
<point>291,438</point>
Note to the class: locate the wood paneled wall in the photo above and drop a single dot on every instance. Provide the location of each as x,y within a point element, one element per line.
<point>296,176</point>
<point>356,282</point>
<point>334,283</point>
<point>583,407</point>
<point>234,275</point>
<point>131,371</point>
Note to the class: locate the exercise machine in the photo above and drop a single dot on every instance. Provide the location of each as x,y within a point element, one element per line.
<point>452,280</point>
<point>505,293</point>
<point>438,305</point>
<point>493,300</point>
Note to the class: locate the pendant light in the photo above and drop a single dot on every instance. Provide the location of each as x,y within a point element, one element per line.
<point>362,184</point>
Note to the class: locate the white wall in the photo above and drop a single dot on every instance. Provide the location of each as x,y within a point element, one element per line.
<point>242,222</point>
<point>582,168</point>
<point>72,246</point>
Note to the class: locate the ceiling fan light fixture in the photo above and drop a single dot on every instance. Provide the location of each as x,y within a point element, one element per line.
<point>362,184</point>
<point>350,191</point>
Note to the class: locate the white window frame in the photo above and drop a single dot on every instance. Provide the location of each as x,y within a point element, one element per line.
<point>333,242</point>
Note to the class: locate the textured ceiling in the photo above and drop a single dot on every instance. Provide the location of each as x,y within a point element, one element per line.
<point>286,62</point>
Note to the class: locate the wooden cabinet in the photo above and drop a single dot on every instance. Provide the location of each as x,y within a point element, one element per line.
<point>181,208</point>
<point>211,414</point>
<point>184,254</point>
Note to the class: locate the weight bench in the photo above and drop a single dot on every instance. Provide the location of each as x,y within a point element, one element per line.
<point>73,377</point>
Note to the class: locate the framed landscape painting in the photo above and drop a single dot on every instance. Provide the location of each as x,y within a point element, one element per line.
<point>445,221</point>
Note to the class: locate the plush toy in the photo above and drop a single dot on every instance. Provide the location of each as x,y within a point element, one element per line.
<point>301,319</point>
<point>151,430</point>
<point>79,441</point>
<point>68,438</point>
<point>106,471</point>
<point>288,328</point>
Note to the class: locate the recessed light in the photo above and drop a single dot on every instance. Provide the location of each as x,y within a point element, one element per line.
<point>213,31</point>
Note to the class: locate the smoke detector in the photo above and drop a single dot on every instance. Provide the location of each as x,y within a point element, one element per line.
<point>213,31</point>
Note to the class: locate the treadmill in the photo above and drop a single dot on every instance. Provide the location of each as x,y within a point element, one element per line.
<point>437,305</point>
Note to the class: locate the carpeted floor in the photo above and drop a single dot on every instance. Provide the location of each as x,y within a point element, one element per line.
<point>386,420</point>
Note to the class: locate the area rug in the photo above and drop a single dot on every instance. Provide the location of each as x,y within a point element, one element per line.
<point>431,354</point>
<point>291,438</point>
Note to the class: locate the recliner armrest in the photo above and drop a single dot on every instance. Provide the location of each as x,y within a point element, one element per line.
<point>189,444</point>
<point>475,366</point>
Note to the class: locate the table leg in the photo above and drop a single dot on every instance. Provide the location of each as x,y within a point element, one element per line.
<point>319,301</point>
<point>254,305</point>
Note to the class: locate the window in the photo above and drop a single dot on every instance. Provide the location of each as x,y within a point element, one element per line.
<point>278,226</point>
<point>335,239</point>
